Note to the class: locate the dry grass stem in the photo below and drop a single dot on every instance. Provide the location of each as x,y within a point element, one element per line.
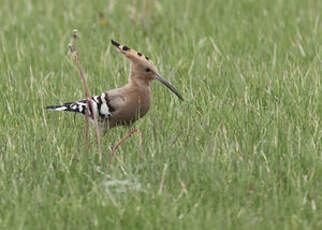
<point>72,47</point>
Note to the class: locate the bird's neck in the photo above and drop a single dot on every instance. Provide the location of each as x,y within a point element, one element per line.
<point>139,82</point>
<point>140,94</point>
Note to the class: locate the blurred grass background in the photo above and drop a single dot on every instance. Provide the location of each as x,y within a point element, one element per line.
<point>242,152</point>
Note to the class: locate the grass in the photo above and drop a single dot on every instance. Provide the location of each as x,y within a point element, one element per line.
<point>246,143</point>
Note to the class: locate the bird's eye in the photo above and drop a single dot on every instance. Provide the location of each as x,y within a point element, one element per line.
<point>147,69</point>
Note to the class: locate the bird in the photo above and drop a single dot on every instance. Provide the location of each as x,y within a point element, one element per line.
<point>125,105</point>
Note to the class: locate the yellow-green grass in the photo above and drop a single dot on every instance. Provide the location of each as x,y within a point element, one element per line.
<point>243,151</point>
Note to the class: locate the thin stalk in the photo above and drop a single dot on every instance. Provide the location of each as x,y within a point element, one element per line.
<point>89,102</point>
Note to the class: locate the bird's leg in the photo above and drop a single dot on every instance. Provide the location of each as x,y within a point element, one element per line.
<point>131,128</point>
<point>132,131</point>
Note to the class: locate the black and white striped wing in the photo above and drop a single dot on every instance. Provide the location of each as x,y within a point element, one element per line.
<point>101,105</point>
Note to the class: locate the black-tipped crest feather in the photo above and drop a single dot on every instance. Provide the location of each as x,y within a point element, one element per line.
<point>115,43</point>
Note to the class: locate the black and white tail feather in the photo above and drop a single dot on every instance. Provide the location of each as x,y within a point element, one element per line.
<point>100,103</point>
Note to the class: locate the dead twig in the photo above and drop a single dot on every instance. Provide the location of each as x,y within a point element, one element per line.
<point>72,47</point>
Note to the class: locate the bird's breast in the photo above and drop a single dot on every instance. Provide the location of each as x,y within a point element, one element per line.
<point>136,105</point>
<point>140,105</point>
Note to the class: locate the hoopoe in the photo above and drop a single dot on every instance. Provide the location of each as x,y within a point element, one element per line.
<point>122,106</point>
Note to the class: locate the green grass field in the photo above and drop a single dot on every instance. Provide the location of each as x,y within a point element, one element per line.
<point>243,151</point>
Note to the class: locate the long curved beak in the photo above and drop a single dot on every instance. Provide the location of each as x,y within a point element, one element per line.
<point>167,84</point>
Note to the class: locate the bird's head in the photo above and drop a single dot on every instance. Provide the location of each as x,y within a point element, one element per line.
<point>142,67</point>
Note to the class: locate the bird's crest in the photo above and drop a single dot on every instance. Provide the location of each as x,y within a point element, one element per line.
<point>131,53</point>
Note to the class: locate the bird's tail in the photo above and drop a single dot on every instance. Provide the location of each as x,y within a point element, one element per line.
<point>77,107</point>
<point>100,104</point>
